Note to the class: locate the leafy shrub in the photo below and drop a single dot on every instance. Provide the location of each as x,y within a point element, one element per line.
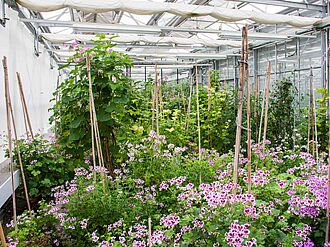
<point>45,165</point>
<point>114,98</point>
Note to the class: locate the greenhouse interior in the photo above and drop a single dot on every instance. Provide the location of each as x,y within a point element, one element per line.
<point>165,123</point>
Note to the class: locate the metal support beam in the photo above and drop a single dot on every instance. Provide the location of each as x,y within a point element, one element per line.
<point>288,4</point>
<point>3,18</point>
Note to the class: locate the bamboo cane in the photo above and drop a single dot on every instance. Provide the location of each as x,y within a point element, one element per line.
<point>183,100</point>
<point>11,165</point>
<point>246,58</point>
<point>267,102</point>
<point>256,115</point>
<point>328,192</point>
<point>24,106</point>
<point>157,99</point>
<point>328,200</point>
<point>209,91</point>
<point>312,119</point>
<point>91,112</point>
<point>262,114</point>
<point>149,232</point>
<point>2,237</point>
<point>309,112</point>
<point>315,120</point>
<point>189,102</point>
<point>209,104</point>
<point>153,106</point>
<point>94,118</point>
<point>19,156</point>
<point>198,126</point>
<point>239,111</point>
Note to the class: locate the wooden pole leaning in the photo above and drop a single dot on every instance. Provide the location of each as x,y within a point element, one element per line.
<point>19,157</point>
<point>90,92</point>
<point>267,102</point>
<point>240,110</point>
<point>198,126</point>
<point>246,69</point>
<point>10,149</point>
<point>2,237</point>
<point>24,107</point>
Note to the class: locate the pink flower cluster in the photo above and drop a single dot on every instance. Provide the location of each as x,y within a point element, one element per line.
<point>238,235</point>
<point>170,220</point>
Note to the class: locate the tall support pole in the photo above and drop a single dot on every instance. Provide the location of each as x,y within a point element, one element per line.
<point>90,91</point>
<point>255,55</point>
<point>19,158</point>
<point>267,102</point>
<point>299,74</point>
<point>24,107</point>
<point>327,52</point>
<point>198,126</point>
<point>156,99</point>
<point>2,237</point>
<point>262,111</point>
<point>10,148</point>
<point>240,110</point>
<point>276,54</point>
<point>257,107</point>
<point>248,93</point>
<point>189,100</point>
<point>309,112</point>
<point>315,120</point>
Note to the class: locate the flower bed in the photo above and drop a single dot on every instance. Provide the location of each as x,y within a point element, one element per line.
<point>157,197</point>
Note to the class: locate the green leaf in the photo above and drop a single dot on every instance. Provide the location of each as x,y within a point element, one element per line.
<point>35,172</point>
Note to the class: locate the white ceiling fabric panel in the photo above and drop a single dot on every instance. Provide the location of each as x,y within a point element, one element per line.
<point>143,7</point>
<point>63,38</point>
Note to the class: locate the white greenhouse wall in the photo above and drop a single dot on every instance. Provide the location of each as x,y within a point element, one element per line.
<point>39,80</point>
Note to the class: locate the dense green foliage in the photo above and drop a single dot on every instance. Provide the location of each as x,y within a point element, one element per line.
<point>282,113</point>
<point>114,100</point>
<point>45,165</point>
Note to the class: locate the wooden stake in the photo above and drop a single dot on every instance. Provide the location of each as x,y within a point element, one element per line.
<point>19,155</point>
<point>315,120</point>
<point>240,109</point>
<point>267,102</point>
<point>157,99</point>
<point>189,102</point>
<point>246,66</point>
<point>209,91</point>
<point>209,105</point>
<point>149,232</point>
<point>95,123</point>
<point>256,115</point>
<point>312,119</point>
<point>183,100</point>
<point>153,107</point>
<point>24,106</point>
<point>309,112</point>
<point>2,237</point>
<point>328,201</point>
<point>262,113</point>
<point>90,91</point>
<point>11,165</point>
<point>198,126</point>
